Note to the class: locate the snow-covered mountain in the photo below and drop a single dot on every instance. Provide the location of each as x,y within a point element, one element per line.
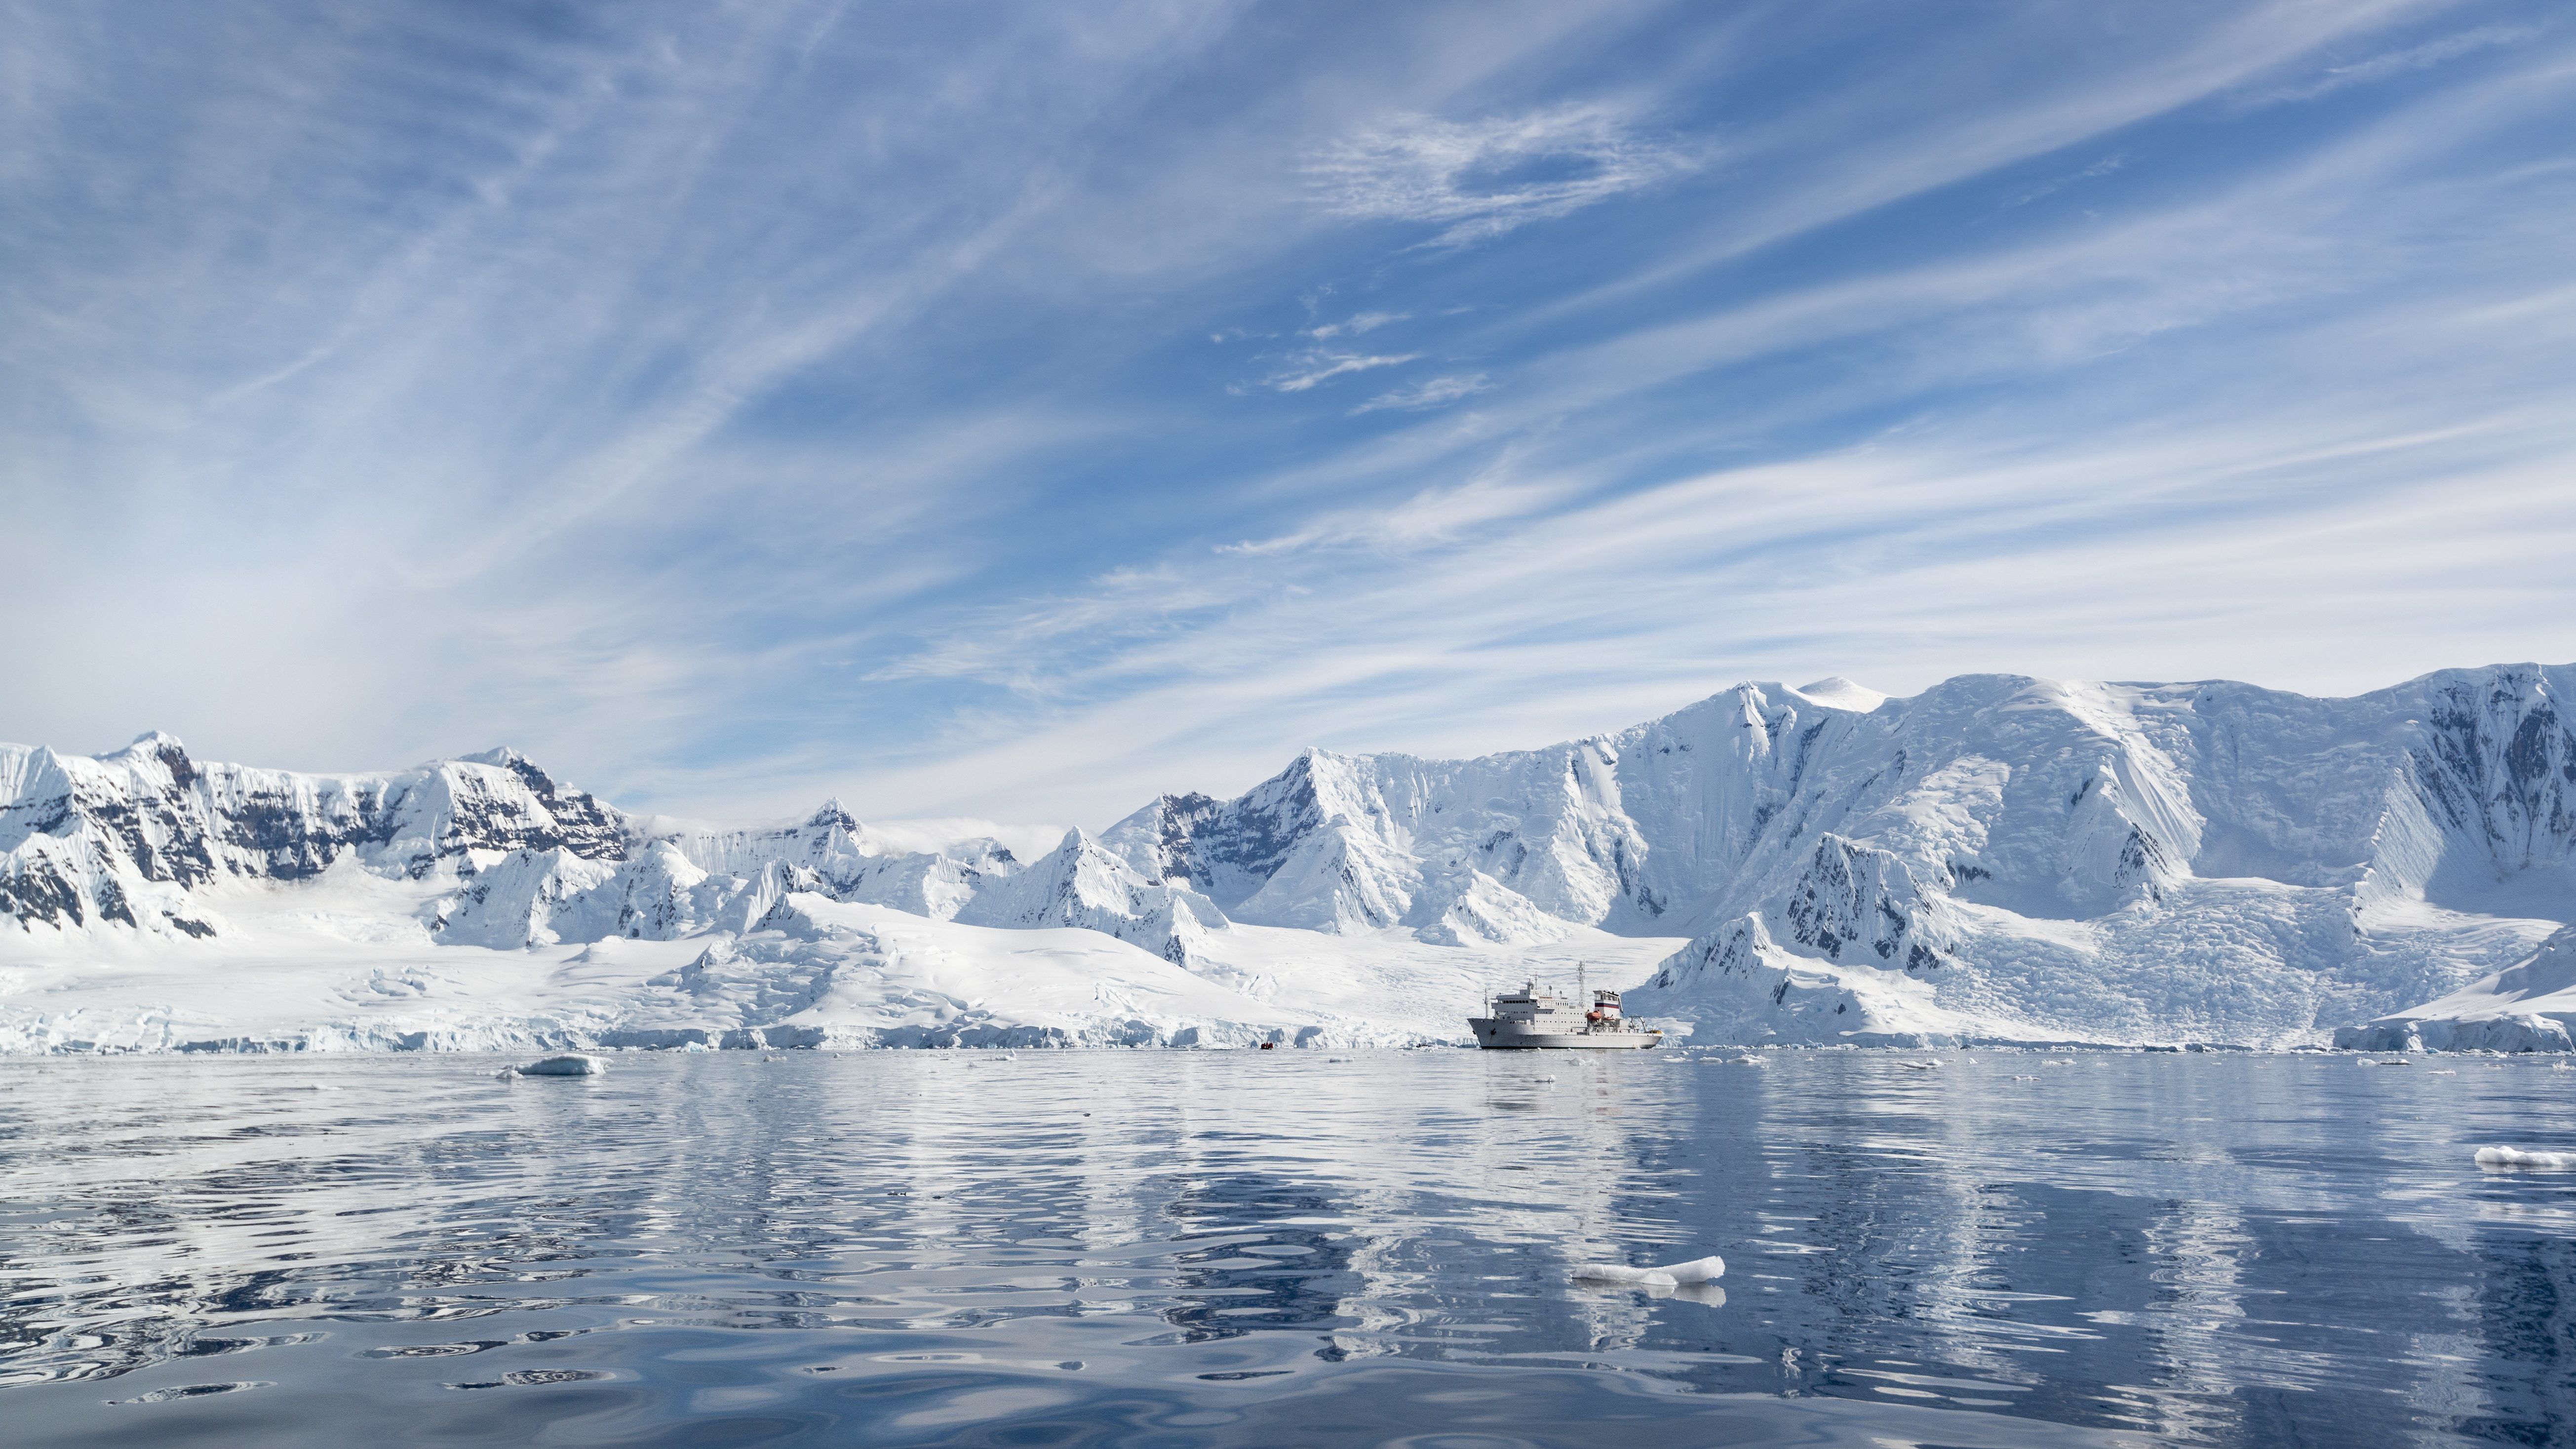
<point>124,839</point>
<point>1996,858</point>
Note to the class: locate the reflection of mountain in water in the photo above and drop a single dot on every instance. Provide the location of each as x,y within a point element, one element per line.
<point>2131,1248</point>
<point>1241,1270</point>
<point>2227,1251</point>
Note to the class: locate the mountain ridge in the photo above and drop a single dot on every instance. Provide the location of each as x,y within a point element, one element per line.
<point>1996,856</point>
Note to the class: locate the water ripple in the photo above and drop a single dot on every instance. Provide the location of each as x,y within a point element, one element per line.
<point>1195,1248</point>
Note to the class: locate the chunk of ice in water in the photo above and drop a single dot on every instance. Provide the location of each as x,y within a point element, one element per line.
<point>2516,1157</point>
<point>571,1064</point>
<point>1697,1270</point>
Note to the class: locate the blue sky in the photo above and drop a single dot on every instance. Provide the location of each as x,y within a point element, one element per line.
<point>1017,411</point>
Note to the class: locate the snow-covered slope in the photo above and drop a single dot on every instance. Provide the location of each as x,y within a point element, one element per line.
<point>1997,857</point>
<point>2530,1006</point>
<point>344,961</point>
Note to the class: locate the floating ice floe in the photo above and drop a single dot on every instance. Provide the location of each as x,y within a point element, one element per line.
<point>1671,1275</point>
<point>2513,1157</point>
<point>571,1064</point>
<point>1919,1066</point>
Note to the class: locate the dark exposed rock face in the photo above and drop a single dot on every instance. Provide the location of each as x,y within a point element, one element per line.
<point>1226,848</point>
<point>2496,763</point>
<point>84,840</point>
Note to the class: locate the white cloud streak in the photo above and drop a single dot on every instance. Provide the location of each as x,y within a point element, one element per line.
<point>1356,324</point>
<point>1480,179</point>
<point>735,408</point>
<point>2309,488</point>
<point>1431,393</point>
<point>2398,62</point>
<point>1310,369</point>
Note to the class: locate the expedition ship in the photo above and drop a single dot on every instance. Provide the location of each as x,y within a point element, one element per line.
<point>1534,1020</point>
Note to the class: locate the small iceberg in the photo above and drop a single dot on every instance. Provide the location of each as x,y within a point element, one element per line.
<point>571,1064</point>
<point>2515,1157</point>
<point>1671,1275</point>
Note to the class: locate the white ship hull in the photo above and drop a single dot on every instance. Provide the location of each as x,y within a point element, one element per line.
<point>1496,1036</point>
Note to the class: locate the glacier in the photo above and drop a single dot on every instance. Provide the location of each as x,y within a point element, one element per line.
<point>1997,859</point>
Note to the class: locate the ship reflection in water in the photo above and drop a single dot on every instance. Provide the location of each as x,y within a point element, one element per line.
<point>1259,1248</point>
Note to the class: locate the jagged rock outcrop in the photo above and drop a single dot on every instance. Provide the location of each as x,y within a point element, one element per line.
<point>832,853</point>
<point>1737,984</point>
<point>542,898</point>
<point>1080,884</point>
<point>122,839</point>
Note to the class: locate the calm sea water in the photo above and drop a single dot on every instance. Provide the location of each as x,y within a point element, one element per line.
<point>1280,1248</point>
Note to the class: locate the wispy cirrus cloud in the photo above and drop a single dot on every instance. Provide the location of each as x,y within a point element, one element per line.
<point>734,407</point>
<point>1316,366</point>
<point>2173,496</point>
<point>1431,393</point>
<point>1356,324</point>
<point>2380,67</point>
<point>1479,179</point>
<point>2108,165</point>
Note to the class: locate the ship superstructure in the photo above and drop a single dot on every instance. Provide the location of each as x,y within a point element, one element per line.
<point>1536,1019</point>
